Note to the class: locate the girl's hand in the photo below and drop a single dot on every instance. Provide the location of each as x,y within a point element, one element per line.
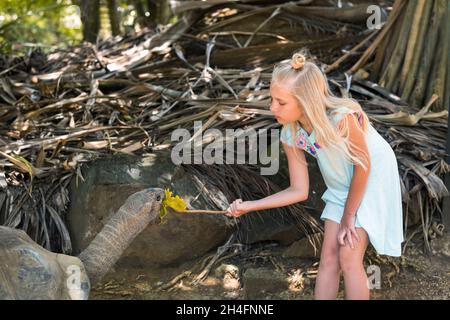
<point>238,208</point>
<point>347,230</point>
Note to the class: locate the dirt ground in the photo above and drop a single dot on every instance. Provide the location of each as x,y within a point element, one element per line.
<point>263,273</point>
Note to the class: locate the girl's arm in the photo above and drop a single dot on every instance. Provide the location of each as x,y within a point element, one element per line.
<point>360,175</point>
<point>347,230</point>
<point>296,192</point>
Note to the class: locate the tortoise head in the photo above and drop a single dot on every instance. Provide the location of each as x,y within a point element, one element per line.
<point>146,202</point>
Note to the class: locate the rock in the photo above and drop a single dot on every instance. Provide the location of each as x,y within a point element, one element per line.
<point>441,245</point>
<point>108,182</point>
<point>230,276</point>
<point>262,283</point>
<point>224,269</point>
<point>230,283</point>
<point>301,249</point>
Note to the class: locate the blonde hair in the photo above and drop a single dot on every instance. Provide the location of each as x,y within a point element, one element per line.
<point>310,87</point>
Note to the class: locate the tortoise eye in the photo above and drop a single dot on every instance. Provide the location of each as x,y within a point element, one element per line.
<point>158,198</point>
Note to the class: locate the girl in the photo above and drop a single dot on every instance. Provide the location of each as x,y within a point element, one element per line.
<point>363,197</point>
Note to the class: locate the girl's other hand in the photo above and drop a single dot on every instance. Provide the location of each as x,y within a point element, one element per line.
<point>347,231</point>
<point>238,208</point>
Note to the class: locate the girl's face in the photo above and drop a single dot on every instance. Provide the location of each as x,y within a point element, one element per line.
<point>284,105</point>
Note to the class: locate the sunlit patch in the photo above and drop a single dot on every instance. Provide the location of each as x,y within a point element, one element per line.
<point>219,15</point>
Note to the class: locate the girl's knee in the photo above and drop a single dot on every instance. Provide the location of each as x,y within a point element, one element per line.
<point>329,258</point>
<point>349,259</point>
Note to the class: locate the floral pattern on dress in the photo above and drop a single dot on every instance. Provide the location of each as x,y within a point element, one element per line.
<point>303,143</point>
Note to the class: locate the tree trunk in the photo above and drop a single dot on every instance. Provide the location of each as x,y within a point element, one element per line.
<point>423,76</point>
<point>90,17</point>
<point>151,6</point>
<point>114,17</point>
<point>439,74</point>
<point>447,80</point>
<point>164,11</point>
<point>142,19</point>
<point>415,48</point>
<point>412,58</point>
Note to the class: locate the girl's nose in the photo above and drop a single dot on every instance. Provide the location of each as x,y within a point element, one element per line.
<point>272,108</point>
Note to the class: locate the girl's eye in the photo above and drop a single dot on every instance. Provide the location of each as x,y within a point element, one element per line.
<point>282,104</point>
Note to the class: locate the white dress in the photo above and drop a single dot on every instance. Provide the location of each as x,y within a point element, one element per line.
<point>380,213</point>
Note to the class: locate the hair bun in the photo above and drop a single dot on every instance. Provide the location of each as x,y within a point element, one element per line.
<point>298,61</point>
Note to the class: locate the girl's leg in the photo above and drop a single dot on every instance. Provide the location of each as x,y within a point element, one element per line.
<point>327,282</point>
<point>351,262</point>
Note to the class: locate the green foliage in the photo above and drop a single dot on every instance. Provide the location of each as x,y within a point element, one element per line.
<point>48,24</point>
<point>43,23</point>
